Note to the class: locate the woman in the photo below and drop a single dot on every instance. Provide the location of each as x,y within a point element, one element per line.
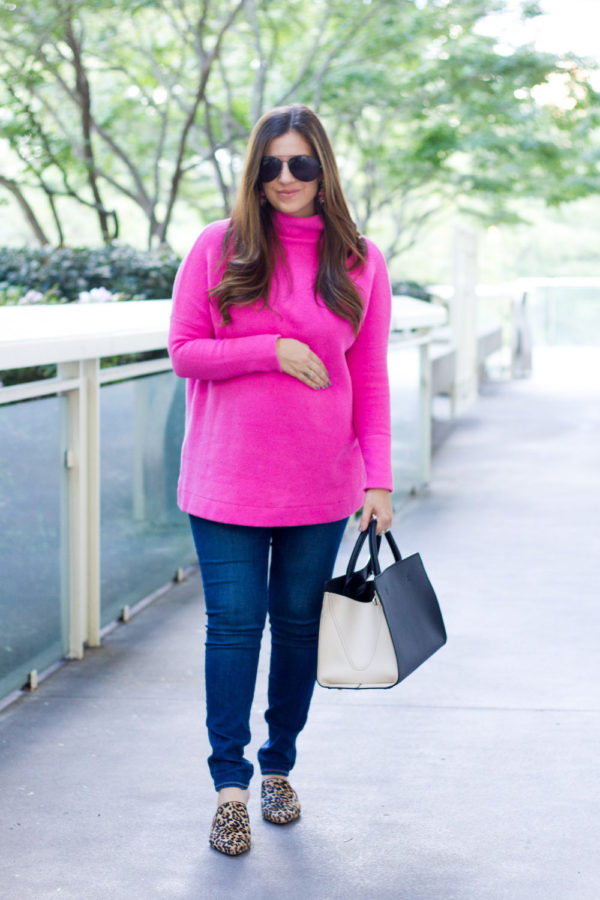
<point>280,324</point>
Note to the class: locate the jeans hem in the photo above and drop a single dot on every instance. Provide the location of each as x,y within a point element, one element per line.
<point>276,772</point>
<point>227,784</point>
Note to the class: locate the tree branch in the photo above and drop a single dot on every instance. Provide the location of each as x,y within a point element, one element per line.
<point>200,92</point>
<point>32,219</point>
<point>83,92</point>
<point>142,199</point>
<point>258,92</point>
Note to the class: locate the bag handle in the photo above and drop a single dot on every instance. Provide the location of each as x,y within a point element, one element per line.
<point>356,553</point>
<point>374,543</point>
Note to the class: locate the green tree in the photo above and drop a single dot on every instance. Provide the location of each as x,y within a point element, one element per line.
<point>458,124</point>
<point>108,94</point>
<point>150,102</point>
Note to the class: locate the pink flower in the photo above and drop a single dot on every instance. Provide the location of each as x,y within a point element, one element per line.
<point>31,297</point>
<point>96,295</point>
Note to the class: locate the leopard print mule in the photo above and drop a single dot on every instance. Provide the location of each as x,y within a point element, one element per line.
<point>230,832</point>
<point>279,801</point>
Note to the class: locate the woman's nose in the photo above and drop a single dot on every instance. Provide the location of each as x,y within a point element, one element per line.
<point>285,174</point>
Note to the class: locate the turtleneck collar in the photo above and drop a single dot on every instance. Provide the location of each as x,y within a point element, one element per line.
<point>299,228</point>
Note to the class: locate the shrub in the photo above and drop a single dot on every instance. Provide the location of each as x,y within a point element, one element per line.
<point>412,289</point>
<point>61,275</point>
<point>17,295</point>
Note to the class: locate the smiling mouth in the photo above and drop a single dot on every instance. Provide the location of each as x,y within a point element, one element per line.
<point>287,193</point>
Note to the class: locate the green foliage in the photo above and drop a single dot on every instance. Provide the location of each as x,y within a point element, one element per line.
<point>151,102</point>
<point>411,289</point>
<point>9,377</point>
<point>464,126</point>
<point>61,275</point>
<point>18,295</point>
<point>115,272</point>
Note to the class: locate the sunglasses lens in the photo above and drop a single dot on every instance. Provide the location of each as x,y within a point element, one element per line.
<point>270,167</point>
<point>304,168</point>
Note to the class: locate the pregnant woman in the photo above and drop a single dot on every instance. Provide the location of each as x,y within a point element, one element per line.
<point>280,325</point>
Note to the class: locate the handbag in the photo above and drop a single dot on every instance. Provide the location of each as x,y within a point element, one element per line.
<point>377,627</point>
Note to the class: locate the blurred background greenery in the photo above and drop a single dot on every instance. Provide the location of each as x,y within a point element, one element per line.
<point>128,120</point>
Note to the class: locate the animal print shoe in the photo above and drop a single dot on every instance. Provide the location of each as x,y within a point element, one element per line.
<point>230,832</point>
<point>279,801</point>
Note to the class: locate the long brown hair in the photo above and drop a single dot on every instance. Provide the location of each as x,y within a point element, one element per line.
<point>251,246</point>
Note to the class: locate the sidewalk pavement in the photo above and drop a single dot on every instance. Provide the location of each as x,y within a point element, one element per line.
<point>476,778</point>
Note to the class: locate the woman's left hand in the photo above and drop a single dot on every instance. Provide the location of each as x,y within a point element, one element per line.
<point>377,503</point>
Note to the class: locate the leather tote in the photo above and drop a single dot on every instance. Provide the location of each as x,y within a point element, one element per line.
<point>377,627</point>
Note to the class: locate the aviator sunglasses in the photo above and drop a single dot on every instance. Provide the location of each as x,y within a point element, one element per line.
<point>304,168</point>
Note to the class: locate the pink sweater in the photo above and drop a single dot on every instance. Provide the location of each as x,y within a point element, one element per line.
<point>261,447</point>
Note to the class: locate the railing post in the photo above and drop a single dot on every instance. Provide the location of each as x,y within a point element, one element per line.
<point>425,409</point>
<point>463,317</point>
<point>73,532</point>
<point>80,520</point>
<point>91,371</point>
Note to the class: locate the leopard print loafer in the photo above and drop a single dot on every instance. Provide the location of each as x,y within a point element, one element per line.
<point>230,832</point>
<point>279,801</point>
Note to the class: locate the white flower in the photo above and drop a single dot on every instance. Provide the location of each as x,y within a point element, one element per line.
<point>96,295</point>
<point>31,297</point>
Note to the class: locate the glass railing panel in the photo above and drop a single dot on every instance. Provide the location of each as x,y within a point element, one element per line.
<point>33,625</point>
<point>565,315</point>
<point>406,401</point>
<point>144,536</point>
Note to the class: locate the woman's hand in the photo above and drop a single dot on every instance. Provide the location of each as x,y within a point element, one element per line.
<point>377,503</point>
<point>298,360</point>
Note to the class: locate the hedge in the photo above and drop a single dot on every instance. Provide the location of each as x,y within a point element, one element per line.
<point>62,275</point>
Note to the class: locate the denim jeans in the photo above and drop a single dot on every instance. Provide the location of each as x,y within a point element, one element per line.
<point>248,571</point>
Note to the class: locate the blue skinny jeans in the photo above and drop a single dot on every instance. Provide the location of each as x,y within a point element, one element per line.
<point>248,571</point>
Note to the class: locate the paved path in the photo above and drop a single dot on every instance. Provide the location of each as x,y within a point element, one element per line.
<point>477,778</point>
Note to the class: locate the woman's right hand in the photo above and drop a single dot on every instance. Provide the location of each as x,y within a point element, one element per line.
<point>298,360</point>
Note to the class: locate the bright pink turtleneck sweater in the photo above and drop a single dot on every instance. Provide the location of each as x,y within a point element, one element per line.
<point>261,447</point>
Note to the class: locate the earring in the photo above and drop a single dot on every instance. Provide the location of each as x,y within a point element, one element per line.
<point>262,197</point>
<point>321,193</point>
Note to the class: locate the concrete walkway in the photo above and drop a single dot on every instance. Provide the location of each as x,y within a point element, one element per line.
<point>477,778</point>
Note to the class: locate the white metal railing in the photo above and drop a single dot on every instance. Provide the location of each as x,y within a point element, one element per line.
<point>413,322</point>
<point>75,338</point>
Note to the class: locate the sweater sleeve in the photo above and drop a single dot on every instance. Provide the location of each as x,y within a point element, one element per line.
<point>194,349</point>
<point>367,363</point>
